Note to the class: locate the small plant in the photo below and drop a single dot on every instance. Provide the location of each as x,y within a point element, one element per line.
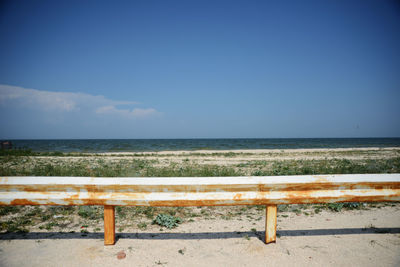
<point>149,212</point>
<point>297,211</point>
<point>8,209</point>
<point>257,173</point>
<point>282,208</point>
<point>120,211</point>
<point>352,205</point>
<point>335,206</point>
<point>167,220</point>
<point>49,225</point>
<point>11,227</point>
<point>142,225</point>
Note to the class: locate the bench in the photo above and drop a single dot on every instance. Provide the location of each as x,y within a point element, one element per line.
<point>198,191</point>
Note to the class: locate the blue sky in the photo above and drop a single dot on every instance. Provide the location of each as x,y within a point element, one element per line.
<point>199,69</point>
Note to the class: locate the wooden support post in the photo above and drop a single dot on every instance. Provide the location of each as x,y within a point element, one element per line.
<point>270,223</point>
<point>109,225</point>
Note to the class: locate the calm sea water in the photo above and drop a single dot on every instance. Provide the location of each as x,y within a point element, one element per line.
<point>138,145</point>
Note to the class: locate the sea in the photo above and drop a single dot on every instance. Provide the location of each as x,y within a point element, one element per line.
<point>141,145</point>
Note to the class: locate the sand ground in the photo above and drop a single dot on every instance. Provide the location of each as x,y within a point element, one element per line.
<point>349,238</point>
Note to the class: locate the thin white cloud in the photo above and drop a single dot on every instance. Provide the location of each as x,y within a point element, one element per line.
<point>68,102</point>
<point>136,112</point>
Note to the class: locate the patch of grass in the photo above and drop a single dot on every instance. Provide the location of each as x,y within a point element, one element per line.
<point>282,208</point>
<point>337,207</point>
<point>45,217</point>
<point>17,224</point>
<point>34,212</point>
<point>48,226</point>
<point>227,216</point>
<point>146,211</point>
<point>190,171</point>
<point>5,210</point>
<point>331,166</point>
<point>121,212</point>
<point>88,212</point>
<point>296,210</point>
<point>64,210</point>
<point>84,167</point>
<point>31,166</point>
<point>12,227</point>
<point>352,205</point>
<point>142,225</point>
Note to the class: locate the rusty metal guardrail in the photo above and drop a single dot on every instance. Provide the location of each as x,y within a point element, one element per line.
<point>198,191</point>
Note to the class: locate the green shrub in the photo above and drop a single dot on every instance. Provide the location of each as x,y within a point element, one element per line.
<point>167,220</point>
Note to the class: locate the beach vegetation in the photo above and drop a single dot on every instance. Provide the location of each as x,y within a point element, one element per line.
<point>4,210</point>
<point>142,225</point>
<point>167,220</point>
<point>89,212</point>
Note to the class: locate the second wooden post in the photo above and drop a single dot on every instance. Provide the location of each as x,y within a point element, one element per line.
<point>109,225</point>
<point>270,223</point>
